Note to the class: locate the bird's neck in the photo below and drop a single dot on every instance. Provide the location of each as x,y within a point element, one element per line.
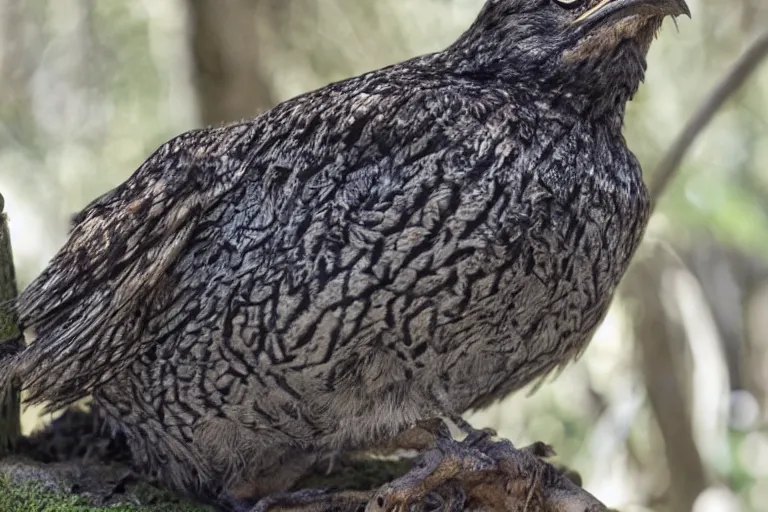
<point>601,112</point>
<point>494,46</point>
<point>607,84</point>
<point>496,49</point>
<point>598,89</point>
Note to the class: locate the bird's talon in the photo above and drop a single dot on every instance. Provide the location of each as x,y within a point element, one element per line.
<point>293,500</point>
<point>478,437</point>
<point>382,504</point>
<point>540,449</point>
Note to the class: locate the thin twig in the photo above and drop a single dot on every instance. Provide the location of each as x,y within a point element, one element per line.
<point>745,66</point>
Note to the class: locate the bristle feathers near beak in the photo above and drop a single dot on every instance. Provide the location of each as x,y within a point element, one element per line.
<point>606,9</point>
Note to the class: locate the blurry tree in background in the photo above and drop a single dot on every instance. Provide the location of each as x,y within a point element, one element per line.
<point>231,71</point>
<point>667,410</point>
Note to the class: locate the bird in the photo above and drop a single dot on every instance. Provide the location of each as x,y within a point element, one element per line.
<point>412,243</point>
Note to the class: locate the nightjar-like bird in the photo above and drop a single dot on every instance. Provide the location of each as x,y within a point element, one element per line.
<point>411,243</point>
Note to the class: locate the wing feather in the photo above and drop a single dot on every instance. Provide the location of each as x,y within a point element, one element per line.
<point>87,309</point>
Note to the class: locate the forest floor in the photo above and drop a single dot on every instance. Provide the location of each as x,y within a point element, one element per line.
<point>30,486</point>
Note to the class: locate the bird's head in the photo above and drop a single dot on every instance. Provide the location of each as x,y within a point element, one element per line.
<point>592,46</point>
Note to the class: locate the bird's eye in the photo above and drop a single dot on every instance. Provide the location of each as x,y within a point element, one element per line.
<point>569,4</point>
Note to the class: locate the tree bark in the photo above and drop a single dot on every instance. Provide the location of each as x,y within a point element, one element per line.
<point>10,410</point>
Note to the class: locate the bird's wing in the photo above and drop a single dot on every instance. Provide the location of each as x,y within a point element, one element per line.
<point>84,310</point>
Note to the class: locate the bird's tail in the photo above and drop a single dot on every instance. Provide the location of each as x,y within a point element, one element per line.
<point>73,351</point>
<point>86,316</point>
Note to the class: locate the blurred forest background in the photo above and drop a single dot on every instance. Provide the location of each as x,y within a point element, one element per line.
<point>667,410</point>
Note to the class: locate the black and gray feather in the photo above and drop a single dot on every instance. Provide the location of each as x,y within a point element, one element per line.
<point>413,242</point>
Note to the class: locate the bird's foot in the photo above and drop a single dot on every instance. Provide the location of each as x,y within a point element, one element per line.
<point>474,435</point>
<point>491,474</point>
<point>309,500</point>
<point>428,487</point>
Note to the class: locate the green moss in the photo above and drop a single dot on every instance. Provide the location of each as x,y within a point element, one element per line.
<point>35,498</point>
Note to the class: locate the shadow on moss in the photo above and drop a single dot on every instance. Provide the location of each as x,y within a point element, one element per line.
<point>26,497</point>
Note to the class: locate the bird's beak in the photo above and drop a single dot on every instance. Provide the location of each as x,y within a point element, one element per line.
<point>607,10</point>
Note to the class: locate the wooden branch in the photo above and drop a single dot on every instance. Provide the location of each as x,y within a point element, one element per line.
<point>10,411</point>
<point>732,81</point>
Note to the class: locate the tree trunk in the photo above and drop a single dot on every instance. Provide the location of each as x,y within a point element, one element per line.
<point>659,342</point>
<point>227,54</point>
<point>10,411</point>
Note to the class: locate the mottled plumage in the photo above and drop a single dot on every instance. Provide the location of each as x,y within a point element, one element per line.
<point>414,242</point>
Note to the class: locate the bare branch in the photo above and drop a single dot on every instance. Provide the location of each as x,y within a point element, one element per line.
<point>742,70</point>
